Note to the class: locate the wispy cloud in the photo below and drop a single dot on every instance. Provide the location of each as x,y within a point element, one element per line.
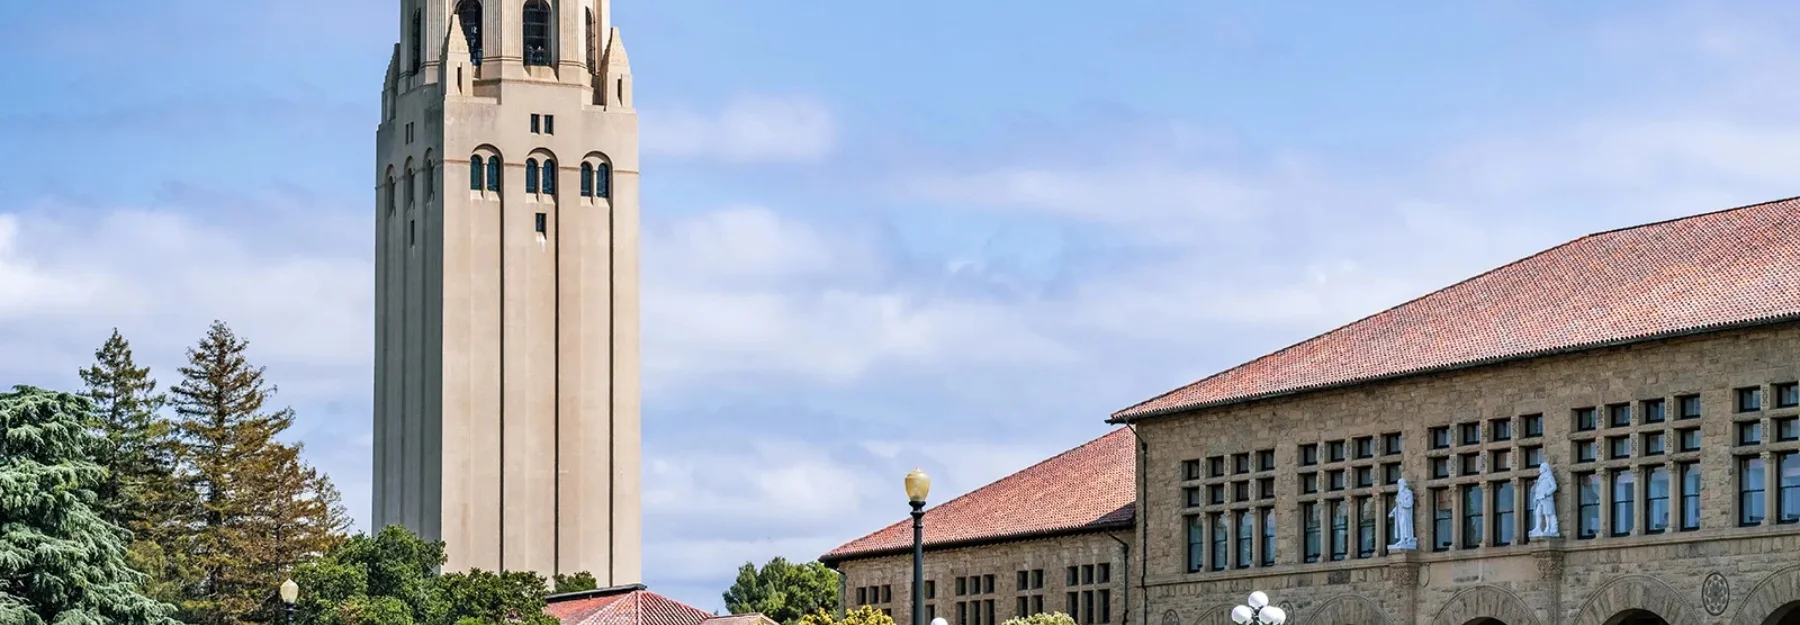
<point>748,129</point>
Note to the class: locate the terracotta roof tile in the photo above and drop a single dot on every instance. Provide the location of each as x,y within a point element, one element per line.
<point>637,607</point>
<point>1089,487</point>
<point>1709,271</point>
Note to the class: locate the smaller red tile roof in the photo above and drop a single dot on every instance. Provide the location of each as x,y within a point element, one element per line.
<point>1087,488</point>
<point>628,606</point>
<point>753,618</point>
<point>1707,272</point>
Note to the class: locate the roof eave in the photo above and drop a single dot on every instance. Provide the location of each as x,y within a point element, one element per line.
<point>832,561</point>
<point>1122,418</point>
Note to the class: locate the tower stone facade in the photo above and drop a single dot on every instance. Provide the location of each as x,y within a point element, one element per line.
<point>507,330</point>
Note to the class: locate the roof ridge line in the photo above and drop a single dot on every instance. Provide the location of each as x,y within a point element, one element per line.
<point>1693,216</point>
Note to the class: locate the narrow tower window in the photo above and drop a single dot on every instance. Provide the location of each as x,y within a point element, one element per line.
<point>430,172</point>
<point>603,180</point>
<point>593,48</point>
<point>587,180</point>
<point>391,200</point>
<point>416,40</point>
<point>469,11</point>
<point>409,188</point>
<point>475,171</point>
<point>549,177</point>
<point>493,176</point>
<point>543,226</point>
<point>531,175</point>
<point>537,33</point>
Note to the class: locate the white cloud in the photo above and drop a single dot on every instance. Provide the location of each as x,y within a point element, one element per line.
<point>750,129</point>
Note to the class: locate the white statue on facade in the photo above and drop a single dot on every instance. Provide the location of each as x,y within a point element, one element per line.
<point>1543,504</point>
<point>1402,516</point>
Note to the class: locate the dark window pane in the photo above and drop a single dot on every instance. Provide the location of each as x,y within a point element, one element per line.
<point>537,33</point>
<point>475,171</point>
<point>469,12</point>
<point>531,175</point>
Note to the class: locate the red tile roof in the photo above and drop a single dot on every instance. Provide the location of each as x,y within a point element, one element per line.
<point>1707,272</point>
<point>1083,489</point>
<point>630,607</point>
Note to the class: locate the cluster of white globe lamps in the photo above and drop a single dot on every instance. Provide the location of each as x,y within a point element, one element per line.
<point>1259,612</point>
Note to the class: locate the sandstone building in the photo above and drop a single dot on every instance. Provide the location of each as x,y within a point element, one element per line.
<point>506,341</point>
<point>1654,369</point>
<point>1053,537</point>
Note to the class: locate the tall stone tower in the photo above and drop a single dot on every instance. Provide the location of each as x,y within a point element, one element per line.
<point>506,315</point>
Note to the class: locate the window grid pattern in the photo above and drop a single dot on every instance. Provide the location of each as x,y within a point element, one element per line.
<point>1765,430</point>
<point>1635,462</point>
<point>1335,476</point>
<point>1225,496</point>
<point>1478,479</point>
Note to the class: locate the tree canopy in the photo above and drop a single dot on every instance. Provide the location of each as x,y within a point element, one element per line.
<point>865,615</point>
<point>783,591</point>
<point>61,563</point>
<point>391,579</point>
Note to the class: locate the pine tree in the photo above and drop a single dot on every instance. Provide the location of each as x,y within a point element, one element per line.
<point>261,508</point>
<point>60,562</point>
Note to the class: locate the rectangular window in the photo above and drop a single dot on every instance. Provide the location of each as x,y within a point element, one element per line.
<point>535,122</point>
<point>862,596</point>
<point>1309,483</point>
<point>1586,420</point>
<point>1087,599</point>
<point>1534,456</point>
<point>1387,503</point>
<point>412,232</point>
<point>1504,519</point>
<point>1268,532</point>
<point>1440,468</point>
<point>1240,463</point>
<point>1220,543</point>
<point>1105,597</point>
<point>1471,433</point>
<point>987,606</point>
<point>1309,539</point>
<point>1690,496</point>
<point>1585,451</point>
<point>1216,493</point>
<point>1265,460</point>
<point>1246,538</point>
<point>1690,439</point>
<point>1037,581</point>
<point>1365,447</point>
<point>543,225</point>
<point>1443,519</point>
<point>1087,574</point>
<point>1534,425</point>
<point>962,586</point>
<point>1340,529</point>
<point>1440,437</point>
<point>1024,581</point>
<point>1652,411</point>
<point>1334,451</point>
<point>1750,491</point>
<point>930,609</point>
<point>1240,491</point>
<point>1309,455</point>
<point>1624,501</point>
<point>1265,488</point>
<point>930,589</point>
<point>1787,429</point>
<point>1365,527</point>
<point>1037,604</point>
<point>549,124</point>
<point>1102,573</point>
<point>1215,466</point>
<point>1749,433</point>
<point>1502,460</point>
<point>1618,415</point>
<point>1690,406</point>
<point>1502,429</point>
<point>987,584</point>
<point>1196,544</point>
<point>1471,464</point>
<point>1472,509</point>
<point>1024,608</point>
<point>887,594</point>
<point>1587,513</point>
<point>1390,443</point>
<point>1365,477</point>
<point>1618,447</point>
<point>1390,473</point>
<point>962,612</point>
<point>1190,496</point>
<point>1336,480</point>
<point>1787,395</point>
<point>1190,469</point>
<point>1656,500</point>
<point>1787,497</point>
<point>1072,603</point>
<point>1652,445</point>
<point>1749,399</point>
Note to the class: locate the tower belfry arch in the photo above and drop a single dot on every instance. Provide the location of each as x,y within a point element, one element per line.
<point>506,395</point>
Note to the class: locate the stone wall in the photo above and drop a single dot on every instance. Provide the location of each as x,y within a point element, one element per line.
<point>1719,572</point>
<point>891,578</point>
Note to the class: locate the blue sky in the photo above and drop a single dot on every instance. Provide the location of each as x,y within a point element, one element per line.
<point>946,234</point>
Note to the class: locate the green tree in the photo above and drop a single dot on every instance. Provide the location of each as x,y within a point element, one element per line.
<point>576,583</point>
<point>391,579</point>
<point>1041,618</point>
<point>865,615</point>
<point>261,510</point>
<point>61,563</point>
<point>783,591</point>
<point>488,598</point>
<point>141,492</point>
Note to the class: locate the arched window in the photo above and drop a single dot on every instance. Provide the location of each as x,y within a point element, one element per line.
<point>493,177</point>
<point>537,32</point>
<point>469,11</point>
<point>475,173</point>
<point>603,180</point>
<point>587,180</point>
<point>531,175</point>
<point>549,177</point>
<point>416,39</point>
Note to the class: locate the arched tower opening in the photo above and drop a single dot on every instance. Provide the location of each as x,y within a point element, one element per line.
<point>469,13</point>
<point>538,26</point>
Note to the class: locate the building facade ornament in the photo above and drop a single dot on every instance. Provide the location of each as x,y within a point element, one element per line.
<point>1543,504</point>
<point>1402,515</point>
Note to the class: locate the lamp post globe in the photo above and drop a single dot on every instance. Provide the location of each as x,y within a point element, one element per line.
<point>1259,612</point>
<point>918,486</point>
<point>290,593</point>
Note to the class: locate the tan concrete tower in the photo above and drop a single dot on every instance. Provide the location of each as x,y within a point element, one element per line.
<point>506,330</point>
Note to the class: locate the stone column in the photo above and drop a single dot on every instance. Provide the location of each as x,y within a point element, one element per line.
<point>1549,556</point>
<point>1403,572</point>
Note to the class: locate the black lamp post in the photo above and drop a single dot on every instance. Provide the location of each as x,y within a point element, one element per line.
<point>918,485</point>
<point>290,592</point>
